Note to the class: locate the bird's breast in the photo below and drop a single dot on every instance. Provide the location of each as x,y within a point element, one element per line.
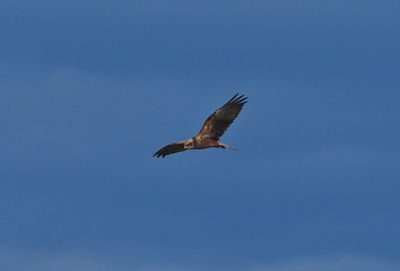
<point>203,143</point>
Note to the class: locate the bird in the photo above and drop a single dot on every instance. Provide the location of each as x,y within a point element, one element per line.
<point>213,128</point>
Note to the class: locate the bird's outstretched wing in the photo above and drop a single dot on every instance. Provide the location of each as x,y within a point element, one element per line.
<point>216,125</point>
<point>170,149</point>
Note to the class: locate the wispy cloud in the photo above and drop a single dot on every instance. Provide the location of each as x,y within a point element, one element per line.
<point>15,260</point>
<point>343,263</point>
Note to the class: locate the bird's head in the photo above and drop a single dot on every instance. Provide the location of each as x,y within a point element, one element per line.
<point>188,144</point>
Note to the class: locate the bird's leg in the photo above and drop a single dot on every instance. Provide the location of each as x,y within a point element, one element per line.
<point>223,146</point>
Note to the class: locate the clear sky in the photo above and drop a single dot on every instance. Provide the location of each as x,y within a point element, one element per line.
<point>90,89</point>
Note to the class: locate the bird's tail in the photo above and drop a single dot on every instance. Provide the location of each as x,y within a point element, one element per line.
<point>223,146</point>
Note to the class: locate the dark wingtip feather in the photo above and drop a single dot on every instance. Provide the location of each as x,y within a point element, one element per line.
<point>237,100</point>
<point>241,100</point>
<point>240,97</point>
<point>233,98</point>
<point>157,155</point>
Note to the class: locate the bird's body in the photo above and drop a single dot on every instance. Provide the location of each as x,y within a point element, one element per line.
<point>202,143</point>
<point>213,128</point>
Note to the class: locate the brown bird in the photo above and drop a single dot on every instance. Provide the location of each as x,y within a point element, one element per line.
<point>213,128</point>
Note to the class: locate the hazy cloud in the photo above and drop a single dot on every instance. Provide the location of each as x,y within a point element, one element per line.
<point>15,260</point>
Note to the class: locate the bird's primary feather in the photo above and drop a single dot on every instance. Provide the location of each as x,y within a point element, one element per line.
<point>170,149</point>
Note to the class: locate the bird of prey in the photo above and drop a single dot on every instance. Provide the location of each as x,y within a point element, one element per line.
<point>213,128</point>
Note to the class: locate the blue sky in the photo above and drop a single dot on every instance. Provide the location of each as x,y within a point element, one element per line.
<point>90,89</point>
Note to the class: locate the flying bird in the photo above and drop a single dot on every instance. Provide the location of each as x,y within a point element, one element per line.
<point>213,128</point>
